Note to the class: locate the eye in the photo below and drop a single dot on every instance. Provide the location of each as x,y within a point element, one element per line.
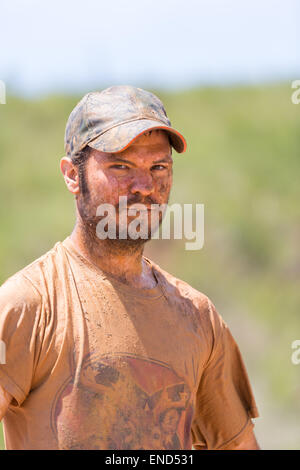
<point>158,167</point>
<point>119,166</point>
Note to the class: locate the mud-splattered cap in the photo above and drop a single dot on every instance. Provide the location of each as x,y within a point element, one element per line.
<point>112,119</point>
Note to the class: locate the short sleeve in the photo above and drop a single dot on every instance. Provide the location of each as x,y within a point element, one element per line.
<point>224,402</point>
<point>20,313</point>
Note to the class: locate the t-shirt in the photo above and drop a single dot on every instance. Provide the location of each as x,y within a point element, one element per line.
<point>93,363</point>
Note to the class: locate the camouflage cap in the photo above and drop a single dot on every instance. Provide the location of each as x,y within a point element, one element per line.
<point>110,120</point>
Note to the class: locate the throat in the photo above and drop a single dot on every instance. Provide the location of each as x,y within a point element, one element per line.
<point>121,259</point>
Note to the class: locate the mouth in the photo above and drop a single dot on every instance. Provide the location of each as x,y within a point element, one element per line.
<point>137,210</point>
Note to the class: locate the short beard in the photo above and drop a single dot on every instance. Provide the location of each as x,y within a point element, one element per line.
<point>89,222</point>
<point>89,226</point>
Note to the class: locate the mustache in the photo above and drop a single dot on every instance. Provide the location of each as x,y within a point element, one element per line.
<point>137,199</point>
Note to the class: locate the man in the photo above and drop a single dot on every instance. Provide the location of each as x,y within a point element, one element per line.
<point>104,349</point>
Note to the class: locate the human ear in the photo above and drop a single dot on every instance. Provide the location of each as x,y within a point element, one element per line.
<point>70,174</point>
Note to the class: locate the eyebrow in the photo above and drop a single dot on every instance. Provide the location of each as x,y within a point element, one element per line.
<point>112,159</point>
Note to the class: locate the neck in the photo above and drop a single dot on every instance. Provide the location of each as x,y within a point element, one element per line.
<point>122,259</point>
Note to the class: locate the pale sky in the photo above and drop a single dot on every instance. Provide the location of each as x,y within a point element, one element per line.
<point>74,46</point>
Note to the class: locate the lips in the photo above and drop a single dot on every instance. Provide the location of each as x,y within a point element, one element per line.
<point>137,209</point>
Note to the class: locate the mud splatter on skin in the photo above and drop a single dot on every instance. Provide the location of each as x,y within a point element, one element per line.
<point>142,173</point>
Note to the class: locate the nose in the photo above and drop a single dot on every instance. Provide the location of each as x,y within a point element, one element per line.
<point>142,184</point>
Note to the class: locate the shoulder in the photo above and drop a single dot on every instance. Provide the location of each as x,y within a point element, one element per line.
<point>30,284</point>
<point>179,291</point>
<point>173,285</point>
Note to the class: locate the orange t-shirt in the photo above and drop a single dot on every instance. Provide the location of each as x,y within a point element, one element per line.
<point>93,363</point>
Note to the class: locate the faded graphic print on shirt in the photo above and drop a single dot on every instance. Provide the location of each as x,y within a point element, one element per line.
<point>123,401</point>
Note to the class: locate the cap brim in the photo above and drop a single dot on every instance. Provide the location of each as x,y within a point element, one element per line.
<point>122,136</point>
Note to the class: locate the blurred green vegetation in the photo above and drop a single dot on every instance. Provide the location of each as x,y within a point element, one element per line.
<point>1,438</point>
<point>243,164</point>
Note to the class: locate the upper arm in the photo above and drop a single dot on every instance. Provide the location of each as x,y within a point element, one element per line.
<point>225,402</point>
<point>5,399</point>
<point>21,308</point>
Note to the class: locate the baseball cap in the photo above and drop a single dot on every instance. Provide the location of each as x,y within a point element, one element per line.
<point>110,120</point>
